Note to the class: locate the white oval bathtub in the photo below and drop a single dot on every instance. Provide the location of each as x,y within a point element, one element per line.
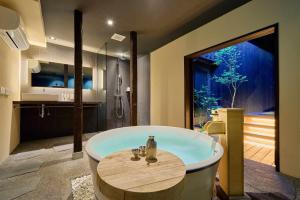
<point>195,150</point>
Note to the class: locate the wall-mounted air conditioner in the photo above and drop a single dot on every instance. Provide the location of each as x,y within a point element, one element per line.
<point>11,30</point>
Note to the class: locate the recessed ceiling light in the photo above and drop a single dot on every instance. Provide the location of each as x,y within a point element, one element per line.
<point>52,38</point>
<point>110,22</point>
<point>118,37</point>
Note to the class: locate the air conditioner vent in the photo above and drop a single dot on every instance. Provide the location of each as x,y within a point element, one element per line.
<point>118,37</point>
<point>11,31</point>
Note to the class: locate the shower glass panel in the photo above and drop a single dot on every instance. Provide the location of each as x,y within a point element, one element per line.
<point>101,88</point>
<point>118,112</point>
<point>113,82</point>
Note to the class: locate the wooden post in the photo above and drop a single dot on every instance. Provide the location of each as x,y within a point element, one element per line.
<point>231,168</point>
<point>78,117</point>
<point>133,78</point>
<point>66,74</point>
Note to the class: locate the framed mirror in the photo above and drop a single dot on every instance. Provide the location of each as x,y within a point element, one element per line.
<point>57,75</point>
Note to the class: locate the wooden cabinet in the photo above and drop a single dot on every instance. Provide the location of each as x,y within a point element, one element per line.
<point>57,119</point>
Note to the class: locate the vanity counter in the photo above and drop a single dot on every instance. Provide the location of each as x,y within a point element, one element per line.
<point>48,119</point>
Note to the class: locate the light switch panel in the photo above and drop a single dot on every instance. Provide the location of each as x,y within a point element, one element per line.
<point>2,90</point>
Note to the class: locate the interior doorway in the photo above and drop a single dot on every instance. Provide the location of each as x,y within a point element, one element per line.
<point>243,73</point>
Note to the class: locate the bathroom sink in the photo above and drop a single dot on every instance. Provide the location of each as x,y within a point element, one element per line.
<point>39,97</point>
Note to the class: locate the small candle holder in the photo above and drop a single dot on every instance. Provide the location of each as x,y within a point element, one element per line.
<point>142,151</point>
<point>135,153</point>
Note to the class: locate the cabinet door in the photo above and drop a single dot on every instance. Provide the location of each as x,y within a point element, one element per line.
<point>90,119</point>
<point>30,124</point>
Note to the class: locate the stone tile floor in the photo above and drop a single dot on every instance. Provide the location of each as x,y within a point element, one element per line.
<point>41,170</point>
<point>44,169</point>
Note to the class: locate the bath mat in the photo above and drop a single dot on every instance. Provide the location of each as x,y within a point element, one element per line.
<point>82,188</point>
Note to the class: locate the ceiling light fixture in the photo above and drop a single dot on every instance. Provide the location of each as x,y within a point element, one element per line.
<point>52,38</point>
<point>110,22</point>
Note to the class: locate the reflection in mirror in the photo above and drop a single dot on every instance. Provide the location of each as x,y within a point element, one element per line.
<point>59,75</point>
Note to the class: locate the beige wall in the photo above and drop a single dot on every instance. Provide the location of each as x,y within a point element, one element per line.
<point>9,117</point>
<point>167,72</point>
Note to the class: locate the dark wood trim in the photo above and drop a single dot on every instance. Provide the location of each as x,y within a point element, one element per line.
<point>188,94</point>
<point>78,108</point>
<point>66,74</point>
<point>188,79</point>
<point>221,193</point>
<point>133,78</point>
<point>276,78</point>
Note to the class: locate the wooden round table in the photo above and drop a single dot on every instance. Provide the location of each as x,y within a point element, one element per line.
<point>121,178</point>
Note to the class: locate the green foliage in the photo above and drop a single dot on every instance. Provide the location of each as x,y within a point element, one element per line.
<point>228,56</point>
<point>204,98</point>
<point>230,77</point>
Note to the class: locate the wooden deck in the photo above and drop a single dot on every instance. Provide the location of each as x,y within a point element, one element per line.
<point>259,153</point>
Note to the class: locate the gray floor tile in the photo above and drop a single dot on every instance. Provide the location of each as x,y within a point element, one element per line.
<point>63,147</point>
<point>19,168</point>
<point>29,154</point>
<point>16,187</point>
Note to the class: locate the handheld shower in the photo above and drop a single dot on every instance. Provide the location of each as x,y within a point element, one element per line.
<point>119,104</point>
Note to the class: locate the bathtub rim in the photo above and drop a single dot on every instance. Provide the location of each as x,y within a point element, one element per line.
<point>190,168</point>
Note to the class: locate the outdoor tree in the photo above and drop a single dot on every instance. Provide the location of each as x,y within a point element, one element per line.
<point>204,98</point>
<point>230,77</point>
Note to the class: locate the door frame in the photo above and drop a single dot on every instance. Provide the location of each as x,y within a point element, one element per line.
<point>188,78</point>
